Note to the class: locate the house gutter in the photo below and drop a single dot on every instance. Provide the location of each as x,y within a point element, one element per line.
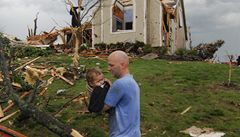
<point>160,25</point>
<point>145,21</point>
<point>102,21</point>
<point>184,18</point>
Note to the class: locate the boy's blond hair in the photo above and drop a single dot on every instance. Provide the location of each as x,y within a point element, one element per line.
<point>92,73</point>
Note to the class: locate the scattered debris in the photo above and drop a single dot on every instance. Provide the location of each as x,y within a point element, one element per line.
<point>44,39</point>
<point>186,110</point>
<point>20,67</point>
<point>207,50</point>
<point>81,97</point>
<point>6,132</point>
<point>11,104</point>
<point>31,75</point>
<point>75,133</point>
<point>45,86</point>
<point>60,91</point>
<point>62,77</point>
<point>204,132</point>
<point>150,56</point>
<point>1,112</point>
<point>8,116</point>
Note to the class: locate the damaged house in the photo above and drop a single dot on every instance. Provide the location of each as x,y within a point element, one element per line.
<point>155,22</point>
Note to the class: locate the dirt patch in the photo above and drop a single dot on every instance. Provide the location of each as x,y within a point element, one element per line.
<point>224,86</point>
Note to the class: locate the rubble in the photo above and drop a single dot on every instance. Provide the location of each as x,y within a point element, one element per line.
<point>207,50</point>
<point>202,132</point>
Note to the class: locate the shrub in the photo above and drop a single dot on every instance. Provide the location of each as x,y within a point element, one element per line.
<point>161,50</point>
<point>21,52</point>
<point>127,47</point>
<point>147,49</point>
<point>185,52</point>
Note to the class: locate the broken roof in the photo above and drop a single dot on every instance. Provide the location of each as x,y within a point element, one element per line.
<point>170,3</point>
<point>125,2</point>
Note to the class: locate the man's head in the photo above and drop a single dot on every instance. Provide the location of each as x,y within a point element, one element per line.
<point>94,77</point>
<point>118,62</point>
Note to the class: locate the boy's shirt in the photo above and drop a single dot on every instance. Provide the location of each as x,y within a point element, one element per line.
<point>97,98</point>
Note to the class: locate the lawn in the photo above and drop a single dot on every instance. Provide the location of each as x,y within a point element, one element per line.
<point>167,89</point>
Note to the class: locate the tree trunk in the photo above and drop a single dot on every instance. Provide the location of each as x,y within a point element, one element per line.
<point>42,118</point>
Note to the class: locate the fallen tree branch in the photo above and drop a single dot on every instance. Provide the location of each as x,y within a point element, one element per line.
<point>12,104</point>
<point>42,118</point>
<point>20,67</point>
<point>69,101</point>
<point>8,116</point>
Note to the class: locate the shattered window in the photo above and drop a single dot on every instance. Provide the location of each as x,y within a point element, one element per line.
<point>122,15</point>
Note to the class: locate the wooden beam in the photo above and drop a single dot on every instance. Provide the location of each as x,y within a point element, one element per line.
<point>63,78</point>
<point>75,133</point>
<point>20,67</point>
<point>12,104</point>
<point>8,116</point>
<point>1,112</point>
<point>186,110</point>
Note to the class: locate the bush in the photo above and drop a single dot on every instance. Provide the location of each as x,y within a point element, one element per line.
<point>162,50</point>
<point>21,52</point>
<point>184,52</point>
<point>147,49</point>
<point>127,46</point>
<point>100,46</point>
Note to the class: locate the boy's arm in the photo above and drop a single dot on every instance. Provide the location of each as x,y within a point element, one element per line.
<point>106,107</point>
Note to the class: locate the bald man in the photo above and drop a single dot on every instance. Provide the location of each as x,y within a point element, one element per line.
<point>123,98</point>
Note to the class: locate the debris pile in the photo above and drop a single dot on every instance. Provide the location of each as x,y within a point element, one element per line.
<point>26,83</point>
<point>207,50</point>
<point>202,132</point>
<point>63,40</point>
<point>202,52</point>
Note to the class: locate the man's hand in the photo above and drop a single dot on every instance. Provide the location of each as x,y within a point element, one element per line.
<point>108,81</point>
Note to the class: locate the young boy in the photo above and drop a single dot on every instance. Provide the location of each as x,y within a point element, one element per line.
<point>97,88</point>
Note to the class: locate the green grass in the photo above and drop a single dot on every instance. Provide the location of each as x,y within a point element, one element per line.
<point>167,89</point>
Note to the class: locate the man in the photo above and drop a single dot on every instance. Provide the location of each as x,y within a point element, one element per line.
<point>123,98</point>
<point>75,19</point>
<point>75,16</point>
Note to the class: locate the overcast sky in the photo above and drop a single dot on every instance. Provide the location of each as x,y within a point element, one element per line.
<point>209,20</point>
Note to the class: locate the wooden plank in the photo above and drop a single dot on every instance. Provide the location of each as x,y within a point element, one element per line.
<point>49,81</point>
<point>8,131</point>
<point>8,116</point>
<point>20,67</point>
<point>186,110</point>
<point>1,112</point>
<point>75,133</point>
<point>12,104</point>
<point>63,78</point>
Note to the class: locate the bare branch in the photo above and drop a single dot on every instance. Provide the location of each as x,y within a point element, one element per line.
<point>98,1</point>
<point>41,117</point>
<point>35,24</point>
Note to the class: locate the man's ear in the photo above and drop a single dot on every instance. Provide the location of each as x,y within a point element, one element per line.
<point>123,65</point>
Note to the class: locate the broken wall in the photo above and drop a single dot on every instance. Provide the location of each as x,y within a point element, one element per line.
<point>180,28</point>
<point>103,24</point>
<point>154,24</point>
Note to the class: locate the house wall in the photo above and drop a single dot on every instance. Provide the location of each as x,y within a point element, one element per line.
<point>180,33</point>
<point>147,25</point>
<point>154,17</point>
<point>96,27</point>
<point>105,23</point>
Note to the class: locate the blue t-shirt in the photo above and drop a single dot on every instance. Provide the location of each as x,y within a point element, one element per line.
<point>124,97</point>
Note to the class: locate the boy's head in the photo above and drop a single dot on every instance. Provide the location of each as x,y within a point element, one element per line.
<point>94,77</point>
